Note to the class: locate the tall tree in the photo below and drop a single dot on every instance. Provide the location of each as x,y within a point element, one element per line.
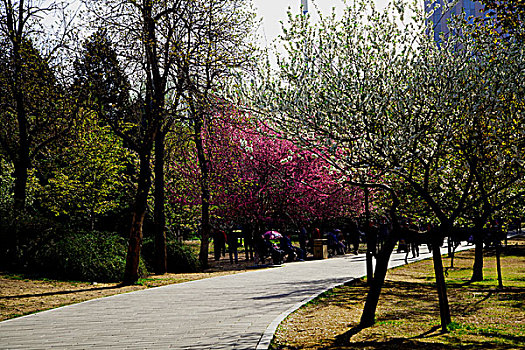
<point>101,89</point>
<point>164,45</point>
<point>29,84</point>
<point>219,37</point>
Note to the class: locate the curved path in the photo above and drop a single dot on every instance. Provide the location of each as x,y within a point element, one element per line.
<point>238,311</point>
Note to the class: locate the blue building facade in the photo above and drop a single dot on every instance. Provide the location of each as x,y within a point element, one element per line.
<point>439,17</point>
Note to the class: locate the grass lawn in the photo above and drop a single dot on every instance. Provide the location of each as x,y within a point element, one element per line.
<point>483,317</point>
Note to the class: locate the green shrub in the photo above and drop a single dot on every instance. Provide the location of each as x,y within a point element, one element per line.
<point>180,257</point>
<point>86,256</point>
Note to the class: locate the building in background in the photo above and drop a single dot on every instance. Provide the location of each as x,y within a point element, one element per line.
<point>304,6</point>
<point>439,15</point>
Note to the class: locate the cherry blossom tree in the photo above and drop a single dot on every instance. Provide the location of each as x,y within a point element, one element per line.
<point>256,176</point>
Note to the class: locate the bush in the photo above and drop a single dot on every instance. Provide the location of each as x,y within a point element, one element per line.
<point>87,256</point>
<point>180,257</point>
<point>22,237</point>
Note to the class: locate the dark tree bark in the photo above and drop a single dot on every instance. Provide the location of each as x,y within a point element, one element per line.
<point>151,121</point>
<point>382,260</point>
<point>131,272</point>
<point>369,243</point>
<point>444,307</point>
<point>159,217</point>
<point>205,191</point>
<point>498,263</point>
<point>21,160</point>
<point>477,269</point>
<point>372,298</point>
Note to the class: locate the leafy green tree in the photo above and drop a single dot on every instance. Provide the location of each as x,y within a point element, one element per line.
<point>90,177</point>
<point>100,82</point>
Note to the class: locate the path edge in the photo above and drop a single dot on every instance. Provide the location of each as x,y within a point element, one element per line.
<point>267,336</point>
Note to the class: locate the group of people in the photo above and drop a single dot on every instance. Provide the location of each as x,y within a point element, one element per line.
<point>262,248</point>
<point>235,239</point>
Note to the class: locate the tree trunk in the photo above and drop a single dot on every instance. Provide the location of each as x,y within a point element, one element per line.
<point>498,263</point>
<point>477,269</point>
<point>20,181</point>
<point>131,273</point>
<point>21,162</point>
<point>369,247</point>
<point>159,217</point>
<point>21,159</point>
<point>205,193</point>
<point>444,308</point>
<point>372,298</point>
<point>451,251</point>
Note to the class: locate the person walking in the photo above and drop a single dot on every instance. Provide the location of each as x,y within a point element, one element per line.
<point>233,244</point>
<point>219,244</point>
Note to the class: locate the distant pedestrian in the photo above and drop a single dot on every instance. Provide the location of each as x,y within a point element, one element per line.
<point>354,236</point>
<point>219,243</point>
<point>303,237</point>
<point>233,244</point>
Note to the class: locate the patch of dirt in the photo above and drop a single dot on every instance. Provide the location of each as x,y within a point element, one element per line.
<point>408,315</point>
<point>22,295</point>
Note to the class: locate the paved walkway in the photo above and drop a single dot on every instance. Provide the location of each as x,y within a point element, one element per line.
<point>238,311</point>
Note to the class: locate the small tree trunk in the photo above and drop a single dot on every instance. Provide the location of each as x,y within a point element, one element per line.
<point>444,308</point>
<point>159,217</point>
<point>372,298</point>
<point>477,269</point>
<point>369,244</point>
<point>498,263</point>
<point>20,184</point>
<point>131,273</point>
<point>452,253</point>
<point>21,160</point>
<point>205,193</point>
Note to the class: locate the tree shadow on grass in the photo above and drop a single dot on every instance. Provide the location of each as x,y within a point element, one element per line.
<point>343,342</point>
<point>344,339</point>
<point>409,344</point>
<point>432,332</point>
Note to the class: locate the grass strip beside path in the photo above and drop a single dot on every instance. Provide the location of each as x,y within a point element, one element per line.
<point>408,315</point>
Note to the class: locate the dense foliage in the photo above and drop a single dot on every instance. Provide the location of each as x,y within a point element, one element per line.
<point>257,176</point>
<point>86,256</point>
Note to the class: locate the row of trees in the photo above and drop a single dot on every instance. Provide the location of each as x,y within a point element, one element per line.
<point>258,178</point>
<point>154,62</point>
<point>91,136</point>
<point>439,130</point>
